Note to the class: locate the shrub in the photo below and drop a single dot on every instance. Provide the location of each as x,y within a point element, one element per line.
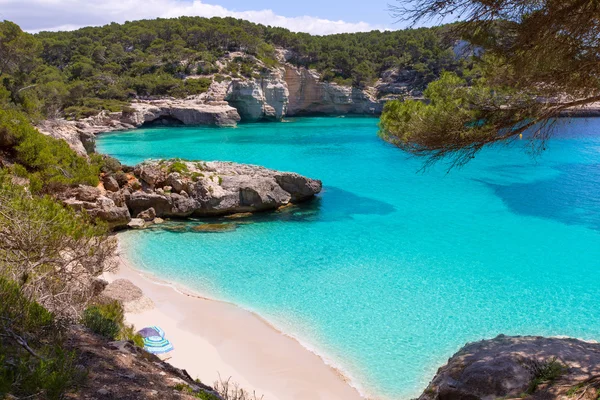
<point>53,252</point>
<point>109,164</point>
<point>33,359</point>
<point>105,320</point>
<point>200,394</point>
<point>51,161</point>
<point>178,166</point>
<point>108,320</point>
<point>231,391</point>
<point>543,371</point>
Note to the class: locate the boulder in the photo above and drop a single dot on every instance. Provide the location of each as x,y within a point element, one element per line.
<point>151,174</point>
<point>129,295</point>
<point>110,183</point>
<point>136,223</point>
<point>508,367</point>
<point>83,193</point>
<point>147,215</point>
<point>96,205</point>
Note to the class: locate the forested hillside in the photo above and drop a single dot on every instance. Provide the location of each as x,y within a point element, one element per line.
<point>78,73</point>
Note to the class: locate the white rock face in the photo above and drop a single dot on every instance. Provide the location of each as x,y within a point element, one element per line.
<point>261,98</point>
<point>309,95</point>
<point>278,92</point>
<point>187,112</point>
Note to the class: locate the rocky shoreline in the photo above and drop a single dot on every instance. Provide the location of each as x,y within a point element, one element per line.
<point>135,197</point>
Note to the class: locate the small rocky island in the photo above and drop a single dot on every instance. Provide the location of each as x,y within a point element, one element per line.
<point>180,189</point>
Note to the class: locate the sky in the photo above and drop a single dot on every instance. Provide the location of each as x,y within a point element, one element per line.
<point>312,16</point>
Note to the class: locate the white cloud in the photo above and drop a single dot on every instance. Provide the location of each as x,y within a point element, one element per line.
<point>37,15</point>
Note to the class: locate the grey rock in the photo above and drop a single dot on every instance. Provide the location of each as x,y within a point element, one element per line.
<point>176,182</point>
<point>96,205</point>
<point>136,223</point>
<point>151,174</point>
<point>504,367</point>
<point>223,188</point>
<point>147,215</point>
<point>83,193</point>
<point>110,183</point>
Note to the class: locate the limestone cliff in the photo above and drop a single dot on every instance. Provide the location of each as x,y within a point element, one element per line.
<point>309,95</point>
<point>292,91</point>
<point>262,98</point>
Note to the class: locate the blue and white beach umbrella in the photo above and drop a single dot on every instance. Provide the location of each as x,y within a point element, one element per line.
<point>154,340</point>
<point>157,345</point>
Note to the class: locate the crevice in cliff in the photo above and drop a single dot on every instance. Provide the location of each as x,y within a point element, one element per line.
<point>166,120</point>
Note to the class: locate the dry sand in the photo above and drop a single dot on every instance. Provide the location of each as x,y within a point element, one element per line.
<point>213,337</point>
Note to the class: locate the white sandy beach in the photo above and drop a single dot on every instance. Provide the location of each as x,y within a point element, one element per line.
<point>213,337</point>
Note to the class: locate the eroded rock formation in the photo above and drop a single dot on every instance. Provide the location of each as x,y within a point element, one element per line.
<point>264,98</point>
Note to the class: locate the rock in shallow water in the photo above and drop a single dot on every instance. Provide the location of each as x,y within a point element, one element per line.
<point>215,228</point>
<point>216,188</point>
<point>211,188</point>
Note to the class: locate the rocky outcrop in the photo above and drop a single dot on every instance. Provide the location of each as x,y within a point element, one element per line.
<point>130,296</point>
<point>186,112</point>
<point>215,188</point>
<point>159,189</point>
<point>108,207</point>
<point>121,370</point>
<point>521,366</point>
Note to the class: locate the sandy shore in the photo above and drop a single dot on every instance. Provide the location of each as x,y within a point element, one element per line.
<point>213,337</point>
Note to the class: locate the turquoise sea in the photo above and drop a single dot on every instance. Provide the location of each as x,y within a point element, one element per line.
<point>391,270</point>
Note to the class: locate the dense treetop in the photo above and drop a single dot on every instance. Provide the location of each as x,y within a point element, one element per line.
<point>541,58</point>
<point>94,68</point>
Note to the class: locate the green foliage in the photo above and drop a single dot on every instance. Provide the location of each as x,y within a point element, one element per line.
<point>44,368</point>
<point>456,118</point>
<point>544,371</point>
<point>17,49</point>
<point>201,394</point>
<point>178,166</point>
<point>53,252</point>
<point>108,320</point>
<point>102,68</point>
<point>105,320</point>
<point>50,162</point>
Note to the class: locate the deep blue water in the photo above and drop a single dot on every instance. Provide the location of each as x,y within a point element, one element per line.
<point>390,270</point>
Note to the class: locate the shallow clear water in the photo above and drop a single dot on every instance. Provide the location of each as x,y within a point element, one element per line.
<point>390,271</point>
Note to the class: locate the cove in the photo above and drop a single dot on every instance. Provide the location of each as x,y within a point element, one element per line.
<point>391,270</point>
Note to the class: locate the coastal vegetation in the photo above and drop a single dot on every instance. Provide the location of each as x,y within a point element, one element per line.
<point>540,58</point>
<point>49,259</point>
<point>76,74</point>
